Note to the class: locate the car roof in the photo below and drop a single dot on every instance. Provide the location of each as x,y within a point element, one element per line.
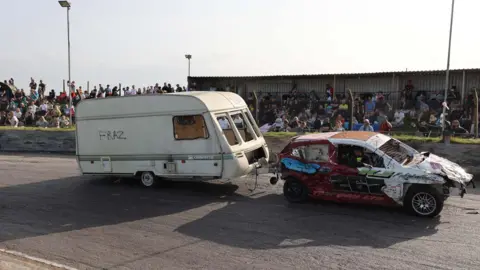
<point>373,139</point>
<point>347,135</point>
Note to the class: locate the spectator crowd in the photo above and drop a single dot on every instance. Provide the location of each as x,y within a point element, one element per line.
<point>37,108</point>
<point>419,112</point>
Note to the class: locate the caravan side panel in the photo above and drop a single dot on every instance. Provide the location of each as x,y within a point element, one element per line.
<point>131,144</point>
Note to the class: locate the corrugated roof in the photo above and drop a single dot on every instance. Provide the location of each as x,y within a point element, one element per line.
<point>336,74</point>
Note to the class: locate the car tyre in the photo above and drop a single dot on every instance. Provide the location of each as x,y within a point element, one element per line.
<point>423,201</point>
<point>295,191</point>
<point>148,179</point>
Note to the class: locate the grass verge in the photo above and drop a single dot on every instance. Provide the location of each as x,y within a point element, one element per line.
<point>286,135</point>
<point>36,128</point>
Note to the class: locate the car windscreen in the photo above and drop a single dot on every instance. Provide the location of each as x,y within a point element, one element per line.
<point>397,150</point>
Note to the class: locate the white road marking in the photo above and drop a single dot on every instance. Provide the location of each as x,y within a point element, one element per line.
<point>35,259</point>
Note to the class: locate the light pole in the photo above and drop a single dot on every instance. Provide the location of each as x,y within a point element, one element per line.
<point>448,68</point>
<point>66,4</point>
<point>188,56</point>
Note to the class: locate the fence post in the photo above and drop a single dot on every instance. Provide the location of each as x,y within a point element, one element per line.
<point>350,108</point>
<point>255,100</point>
<point>88,86</point>
<point>475,113</point>
<point>120,89</point>
<point>63,85</point>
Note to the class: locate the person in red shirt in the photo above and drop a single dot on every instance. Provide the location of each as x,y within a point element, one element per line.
<point>386,126</point>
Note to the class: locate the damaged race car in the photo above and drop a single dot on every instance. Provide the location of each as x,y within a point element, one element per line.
<point>368,167</point>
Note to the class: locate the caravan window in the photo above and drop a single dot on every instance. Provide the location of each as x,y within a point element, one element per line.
<point>243,126</point>
<point>227,128</point>
<point>189,127</point>
<point>253,123</point>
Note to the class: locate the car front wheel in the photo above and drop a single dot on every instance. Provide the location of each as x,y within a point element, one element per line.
<point>423,201</point>
<point>295,191</point>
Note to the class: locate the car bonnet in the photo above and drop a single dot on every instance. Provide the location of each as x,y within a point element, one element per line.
<point>442,166</point>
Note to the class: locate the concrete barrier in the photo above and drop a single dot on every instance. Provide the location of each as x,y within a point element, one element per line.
<point>37,141</point>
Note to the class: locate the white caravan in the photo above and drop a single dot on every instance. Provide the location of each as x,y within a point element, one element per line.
<point>190,135</point>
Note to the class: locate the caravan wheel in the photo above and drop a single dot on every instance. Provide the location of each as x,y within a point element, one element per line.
<point>148,179</point>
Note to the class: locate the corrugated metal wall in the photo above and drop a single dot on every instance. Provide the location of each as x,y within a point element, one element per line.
<point>390,84</point>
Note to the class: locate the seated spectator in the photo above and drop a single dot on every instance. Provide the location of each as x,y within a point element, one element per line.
<point>338,126</point>
<point>42,122</point>
<point>64,122</point>
<point>18,113</point>
<point>13,120</point>
<point>398,118</point>
<point>317,124</point>
<point>55,122</point>
<point>385,126</point>
<point>29,118</point>
<point>423,129</point>
<point>457,129</point>
<point>366,126</point>
<point>278,125</point>
<point>51,95</point>
<point>43,108</point>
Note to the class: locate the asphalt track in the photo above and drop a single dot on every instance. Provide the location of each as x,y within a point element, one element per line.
<point>48,211</point>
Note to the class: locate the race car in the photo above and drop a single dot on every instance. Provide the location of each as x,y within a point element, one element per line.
<point>368,167</point>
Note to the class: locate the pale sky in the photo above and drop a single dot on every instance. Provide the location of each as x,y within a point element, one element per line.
<point>144,41</point>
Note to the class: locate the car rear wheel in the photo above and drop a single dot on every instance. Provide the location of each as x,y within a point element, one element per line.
<point>423,201</point>
<point>295,191</point>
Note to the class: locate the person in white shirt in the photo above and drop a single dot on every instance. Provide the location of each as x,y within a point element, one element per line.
<point>366,126</point>
<point>398,118</point>
<point>224,124</point>
<point>44,108</point>
<point>18,113</point>
<point>32,108</point>
<point>132,92</point>
<point>238,121</point>
<point>278,125</point>
<point>13,120</point>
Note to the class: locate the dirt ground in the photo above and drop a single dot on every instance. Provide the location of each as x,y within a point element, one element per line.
<point>48,211</point>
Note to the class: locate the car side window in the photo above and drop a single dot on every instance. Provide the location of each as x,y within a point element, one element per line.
<point>317,153</point>
<point>299,152</point>
<point>375,160</point>
<point>314,153</point>
<point>347,152</point>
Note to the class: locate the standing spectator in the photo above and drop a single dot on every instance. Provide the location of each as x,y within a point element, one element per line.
<point>108,91</point>
<point>179,89</point>
<point>165,88</point>
<point>407,92</point>
<point>93,94</point>
<point>369,107</point>
<point>41,89</point>
<point>132,91</point>
<point>170,88</point>
<point>33,84</point>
